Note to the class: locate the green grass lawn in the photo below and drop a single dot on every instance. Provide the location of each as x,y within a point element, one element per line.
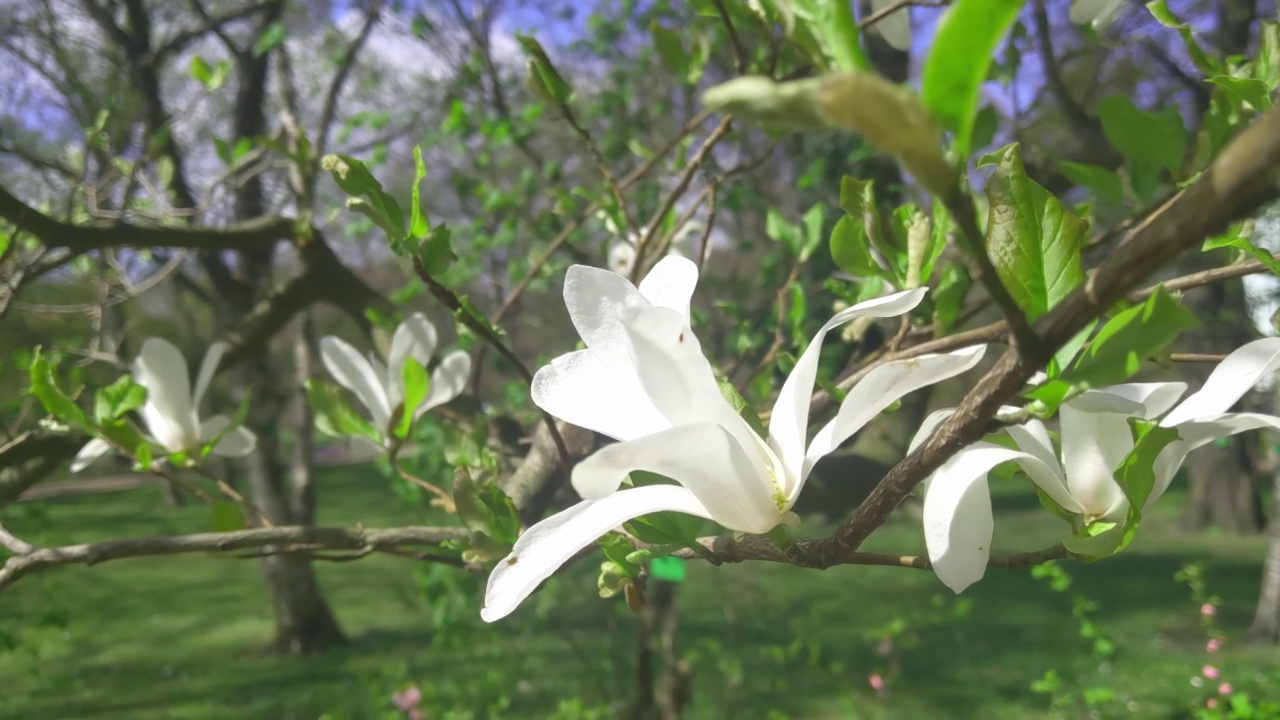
<point>186,637</point>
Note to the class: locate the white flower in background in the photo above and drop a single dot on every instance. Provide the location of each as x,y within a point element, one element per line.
<point>622,253</point>
<point>380,387</point>
<point>171,410</point>
<point>644,381</point>
<point>1098,13</point>
<point>895,27</point>
<point>1095,439</point>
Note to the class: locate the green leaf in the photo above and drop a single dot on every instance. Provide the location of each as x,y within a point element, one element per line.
<point>666,43</point>
<point>949,295</point>
<point>418,222</point>
<point>484,508</point>
<point>1065,354</point>
<point>850,249</point>
<point>666,528</point>
<point>226,517</point>
<point>142,453</point>
<point>838,31</point>
<point>854,235</point>
<point>1267,66</point>
<point>778,228</point>
<point>1033,239</point>
<point>543,78</point>
<point>1130,337</point>
<point>334,415</point>
<point>366,195</point>
<point>118,398</point>
<point>1245,245</point>
<point>812,221</point>
<point>957,64</point>
<point>1158,140</point>
<point>436,251</point>
<point>1246,90</point>
<point>1104,182</point>
<point>798,311</point>
<point>44,386</point>
<point>200,70</point>
<point>417,382</point>
<point>741,406</point>
<point>1136,474</point>
<point>1205,63</point>
<point>271,36</point>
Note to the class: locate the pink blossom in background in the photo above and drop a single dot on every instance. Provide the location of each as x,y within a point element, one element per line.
<point>1211,703</point>
<point>417,714</point>
<point>877,682</point>
<point>408,699</point>
<point>1214,645</point>
<point>1224,689</point>
<point>1208,610</point>
<point>1210,672</point>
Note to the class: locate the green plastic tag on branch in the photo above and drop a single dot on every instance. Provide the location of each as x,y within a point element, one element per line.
<point>366,195</point>
<point>668,569</point>
<point>962,51</point>
<point>44,386</point>
<point>1034,241</point>
<point>889,117</point>
<point>1130,337</point>
<point>417,383</point>
<point>334,415</point>
<point>543,80</point>
<point>118,398</point>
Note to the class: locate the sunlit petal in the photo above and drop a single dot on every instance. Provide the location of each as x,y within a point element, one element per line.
<point>354,372</point>
<point>670,284</point>
<point>1228,382</point>
<point>595,299</point>
<point>1192,435</point>
<point>957,514</point>
<point>790,418</point>
<point>1093,446</point>
<point>92,450</point>
<point>208,366</point>
<point>733,486</point>
<point>579,389</point>
<point>930,424</point>
<point>883,386</point>
<point>448,380</point>
<point>543,548</point>
<point>237,443</point>
<point>414,338</point>
<point>1044,469</point>
<point>1144,400</point>
<point>168,413</point>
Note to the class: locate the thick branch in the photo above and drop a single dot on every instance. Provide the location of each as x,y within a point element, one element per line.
<point>292,538</point>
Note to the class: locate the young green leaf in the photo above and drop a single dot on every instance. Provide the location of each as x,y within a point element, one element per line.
<point>418,222</point>
<point>44,386</point>
<point>1130,337</point>
<point>366,195</point>
<point>118,398</point>
<point>334,415</point>
<point>417,382</point>
<point>1203,61</point>
<point>666,43</point>
<point>1155,139</point>
<point>1033,239</point>
<point>957,64</point>
<point>543,78</point>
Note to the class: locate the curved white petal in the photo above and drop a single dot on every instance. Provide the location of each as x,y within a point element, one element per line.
<point>414,338</point>
<point>543,548</point>
<point>168,413</point>
<point>1144,400</point>
<point>734,486</point>
<point>237,443</point>
<point>595,300</point>
<point>895,28</point>
<point>1192,435</point>
<point>208,366</point>
<point>448,380</point>
<point>1093,446</point>
<point>881,388</point>
<point>931,423</point>
<point>92,450</point>
<point>670,284</point>
<point>1228,382</point>
<point>1042,466</point>
<point>579,389</point>
<point>957,514</point>
<point>354,372</point>
<point>790,417</point>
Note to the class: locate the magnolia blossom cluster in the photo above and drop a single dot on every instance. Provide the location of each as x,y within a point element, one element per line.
<point>643,380</point>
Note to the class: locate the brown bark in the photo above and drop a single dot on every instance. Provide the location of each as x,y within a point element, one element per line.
<point>1266,620</point>
<point>663,694</point>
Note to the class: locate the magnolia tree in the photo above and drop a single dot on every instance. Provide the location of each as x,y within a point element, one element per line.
<point>658,433</point>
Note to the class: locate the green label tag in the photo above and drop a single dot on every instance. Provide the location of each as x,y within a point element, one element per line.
<point>670,569</point>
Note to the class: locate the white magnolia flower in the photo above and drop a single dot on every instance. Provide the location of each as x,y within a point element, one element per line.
<point>170,412</point>
<point>644,381</point>
<point>622,252</point>
<point>1095,439</point>
<point>380,387</point>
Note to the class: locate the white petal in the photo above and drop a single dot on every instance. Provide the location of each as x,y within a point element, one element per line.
<point>1145,400</point>
<point>1093,446</point>
<point>543,548</point>
<point>931,423</point>
<point>354,372</point>
<point>1043,468</point>
<point>957,514</point>
<point>706,459</point>
<point>879,389</point>
<point>168,413</point>
<point>894,28</point>
<point>595,299</point>
<point>1228,382</point>
<point>208,367</point>
<point>670,284</point>
<point>237,443</point>
<point>790,418</point>
<point>448,380</point>
<point>1192,435</point>
<point>579,389</point>
<point>414,338</point>
<point>92,450</point>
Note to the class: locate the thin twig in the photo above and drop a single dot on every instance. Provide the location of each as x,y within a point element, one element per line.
<point>894,7</point>
<point>445,500</point>
<point>739,57</point>
<point>1197,357</point>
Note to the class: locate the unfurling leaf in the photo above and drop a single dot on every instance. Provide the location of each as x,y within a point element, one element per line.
<point>334,415</point>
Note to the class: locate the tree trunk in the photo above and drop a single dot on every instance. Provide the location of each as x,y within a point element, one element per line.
<point>1266,621</point>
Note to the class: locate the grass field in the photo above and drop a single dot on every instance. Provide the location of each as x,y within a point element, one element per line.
<point>185,637</point>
